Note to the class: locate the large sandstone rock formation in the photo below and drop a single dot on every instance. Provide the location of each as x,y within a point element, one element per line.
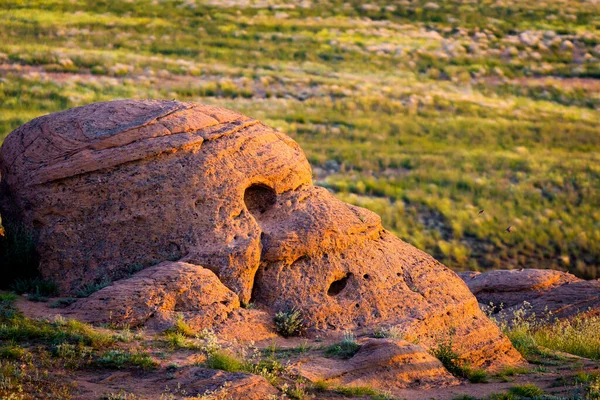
<point>113,186</point>
<point>539,291</point>
<point>385,364</point>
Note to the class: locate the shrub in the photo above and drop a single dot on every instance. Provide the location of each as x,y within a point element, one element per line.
<point>289,323</point>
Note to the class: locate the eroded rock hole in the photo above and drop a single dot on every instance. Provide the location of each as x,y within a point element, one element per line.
<point>336,287</point>
<point>259,198</point>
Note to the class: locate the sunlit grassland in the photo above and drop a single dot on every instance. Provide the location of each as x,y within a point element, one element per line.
<point>423,114</point>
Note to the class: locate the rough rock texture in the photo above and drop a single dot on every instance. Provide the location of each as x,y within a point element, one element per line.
<point>384,364</point>
<point>561,293</point>
<point>159,294</point>
<point>113,186</point>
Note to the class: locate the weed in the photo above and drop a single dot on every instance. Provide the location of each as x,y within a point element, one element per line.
<point>289,323</point>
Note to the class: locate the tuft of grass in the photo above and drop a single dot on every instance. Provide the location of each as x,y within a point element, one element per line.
<point>391,332</point>
<point>511,371</point>
<point>450,359</point>
<point>526,390</point>
<point>121,358</point>
<point>477,376</point>
<point>289,323</point>
<point>346,349</point>
<point>226,361</point>
<point>178,340</point>
<point>183,328</point>
<point>90,288</point>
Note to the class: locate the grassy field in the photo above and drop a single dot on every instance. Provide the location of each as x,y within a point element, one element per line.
<point>425,112</point>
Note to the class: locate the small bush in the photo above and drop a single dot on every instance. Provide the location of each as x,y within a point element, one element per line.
<point>346,349</point>
<point>289,323</point>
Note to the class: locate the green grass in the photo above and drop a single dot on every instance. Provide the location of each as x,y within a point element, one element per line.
<point>423,115</point>
<point>578,335</point>
<point>226,361</point>
<point>121,358</point>
<point>527,390</point>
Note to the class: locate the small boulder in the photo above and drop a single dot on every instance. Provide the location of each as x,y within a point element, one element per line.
<point>158,295</point>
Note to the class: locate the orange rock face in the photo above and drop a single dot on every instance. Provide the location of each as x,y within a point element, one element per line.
<point>113,186</point>
<point>560,293</point>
